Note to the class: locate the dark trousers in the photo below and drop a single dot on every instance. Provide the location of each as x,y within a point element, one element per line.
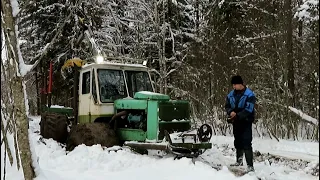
<point>242,132</point>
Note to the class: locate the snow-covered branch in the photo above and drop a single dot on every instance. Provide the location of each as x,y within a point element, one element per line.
<point>241,57</point>
<point>257,37</point>
<point>39,57</point>
<point>304,116</point>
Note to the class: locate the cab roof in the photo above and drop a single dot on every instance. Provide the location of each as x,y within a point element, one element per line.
<point>113,65</point>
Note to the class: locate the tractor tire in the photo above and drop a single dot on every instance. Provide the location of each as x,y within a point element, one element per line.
<point>91,134</point>
<point>54,125</point>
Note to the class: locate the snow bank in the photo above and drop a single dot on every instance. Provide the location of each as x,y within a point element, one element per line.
<point>94,162</point>
<point>10,171</point>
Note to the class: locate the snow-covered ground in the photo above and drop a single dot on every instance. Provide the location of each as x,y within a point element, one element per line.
<point>95,163</point>
<point>8,170</point>
<point>308,151</point>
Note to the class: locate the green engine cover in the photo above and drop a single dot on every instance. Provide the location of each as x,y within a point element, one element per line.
<point>161,114</point>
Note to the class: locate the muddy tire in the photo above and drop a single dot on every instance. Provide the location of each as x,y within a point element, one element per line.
<point>91,134</point>
<point>54,125</point>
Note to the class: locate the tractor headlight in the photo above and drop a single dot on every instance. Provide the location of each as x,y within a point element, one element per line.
<point>144,63</point>
<point>99,59</point>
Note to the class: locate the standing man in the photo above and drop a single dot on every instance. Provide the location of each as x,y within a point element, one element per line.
<point>240,109</point>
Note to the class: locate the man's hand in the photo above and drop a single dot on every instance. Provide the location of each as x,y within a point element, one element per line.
<point>232,117</point>
<point>232,114</point>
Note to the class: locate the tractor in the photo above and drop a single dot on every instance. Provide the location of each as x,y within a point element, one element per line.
<point>117,105</point>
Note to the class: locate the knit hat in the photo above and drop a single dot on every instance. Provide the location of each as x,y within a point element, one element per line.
<point>236,80</point>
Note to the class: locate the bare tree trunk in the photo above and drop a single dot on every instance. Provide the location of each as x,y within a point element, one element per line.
<point>159,45</point>
<point>300,55</point>
<point>290,67</point>
<point>163,61</point>
<point>37,92</point>
<point>44,85</point>
<point>197,16</point>
<point>19,107</point>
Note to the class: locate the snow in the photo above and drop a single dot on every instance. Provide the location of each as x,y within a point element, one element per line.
<point>124,64</point>
<point>15,7</point>
<point>26,101</point>
<point>220,3</point>
<point>174,2</point>
<point>304,116</point>
<point>10,171</point>
<point>58,106</point>
<point>34,158</point>
<point>24,68</point>
<point>115,64</point>
<point>3,48</point>
<point>95,162</point>
<point>304,11</point>
<point>149,93</point>
<point>291,149</point>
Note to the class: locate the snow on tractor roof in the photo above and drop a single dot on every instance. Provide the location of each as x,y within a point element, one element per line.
<point>108,63</point>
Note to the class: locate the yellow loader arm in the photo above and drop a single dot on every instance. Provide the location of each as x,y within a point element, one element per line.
<point>73,62</point>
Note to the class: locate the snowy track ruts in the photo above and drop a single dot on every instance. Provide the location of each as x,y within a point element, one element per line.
<point>296,164</point>
<point>269,159</point>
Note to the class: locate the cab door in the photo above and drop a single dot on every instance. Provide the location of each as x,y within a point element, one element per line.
<point>85,91</point>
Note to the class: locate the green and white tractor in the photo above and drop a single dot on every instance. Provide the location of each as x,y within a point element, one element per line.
<point>117,105</point>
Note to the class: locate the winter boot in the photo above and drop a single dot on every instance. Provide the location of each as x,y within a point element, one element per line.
<point>239,160</point>
<point>249,159</point>
<point>250,169</point>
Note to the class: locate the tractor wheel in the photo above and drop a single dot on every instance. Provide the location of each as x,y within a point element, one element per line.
<point>54,125</point>
<point>91,134</point>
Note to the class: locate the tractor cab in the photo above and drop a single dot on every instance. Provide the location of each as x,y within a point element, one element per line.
<point>101,84</point>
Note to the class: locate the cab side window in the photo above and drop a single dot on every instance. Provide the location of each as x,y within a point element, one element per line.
<point>94,91</point>
<point>86,83</point>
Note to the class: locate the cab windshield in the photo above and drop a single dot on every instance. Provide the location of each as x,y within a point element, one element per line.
<point>112,85</point>
<point>138,81</point>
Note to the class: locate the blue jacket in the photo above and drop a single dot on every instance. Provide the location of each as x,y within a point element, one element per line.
<point>241,103</point>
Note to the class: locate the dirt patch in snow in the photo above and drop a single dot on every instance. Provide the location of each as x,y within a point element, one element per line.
<point>91,134</point>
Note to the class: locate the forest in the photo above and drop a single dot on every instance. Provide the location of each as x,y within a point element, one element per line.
<point>192,48</point>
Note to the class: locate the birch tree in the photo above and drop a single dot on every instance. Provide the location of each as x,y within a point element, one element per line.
<point>14,108</point>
